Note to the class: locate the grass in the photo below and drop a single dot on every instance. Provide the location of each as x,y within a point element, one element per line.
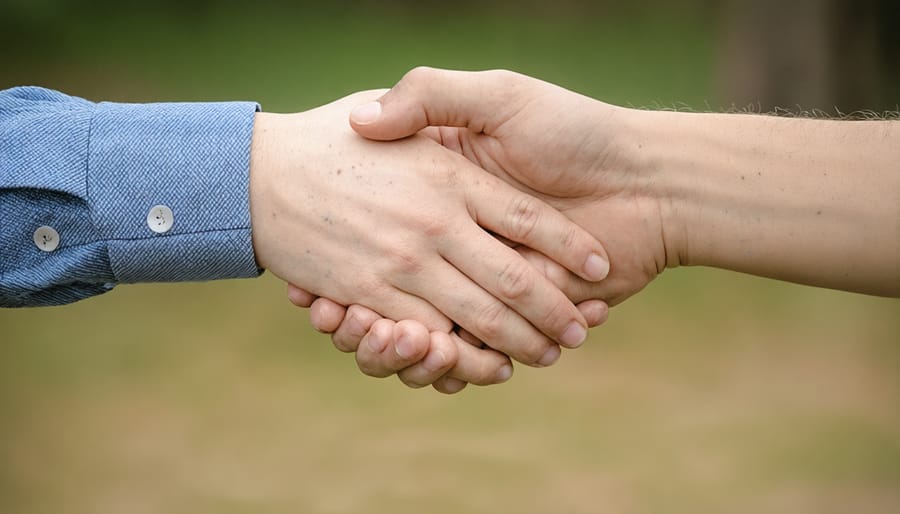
<point>709,392</point>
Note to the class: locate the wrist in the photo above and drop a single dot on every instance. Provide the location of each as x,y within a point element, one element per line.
<point>262,164</point>
<point>648,150</point>
<point>769,196</point>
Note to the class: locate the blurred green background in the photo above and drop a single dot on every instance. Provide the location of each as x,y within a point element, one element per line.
<point>710,392</point>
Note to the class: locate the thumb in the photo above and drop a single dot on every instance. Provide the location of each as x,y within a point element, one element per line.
<point>431,97</point>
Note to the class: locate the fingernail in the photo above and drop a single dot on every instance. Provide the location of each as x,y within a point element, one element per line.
<point>435,360</point>
<point>404,347</point>
<point>375,343</point>
<point>366,113</point>
<point>573,335</point>
<point>550,356</point>
<point>504,373</point>
<point>596,267</point>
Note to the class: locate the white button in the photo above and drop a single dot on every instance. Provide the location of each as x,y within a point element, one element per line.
<point>46,238</point>
<point>160,219</point>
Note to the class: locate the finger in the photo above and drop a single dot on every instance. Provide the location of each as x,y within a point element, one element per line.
<point>389,347</point>
<point>449,385</point>
<point>428,96</point>
<point>467,336</point>
<point>449,138</point>
<point>506,275</point>
<point>574,287</point>
<point>470,364</point>
<point>326,316</point>
<point>441,357</point>
<point>399,304</point>
<point>527,220</point>
<point>353,328</point>
<point>479,312</point>
<point>433,133</point>
<point>596,312</point>
<point>479,366</point>
<point>300,297</point>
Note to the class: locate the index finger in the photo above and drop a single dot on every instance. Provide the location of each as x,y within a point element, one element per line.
<point>529,221</point>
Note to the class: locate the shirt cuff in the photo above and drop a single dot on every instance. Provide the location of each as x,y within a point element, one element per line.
<point>189,162</point>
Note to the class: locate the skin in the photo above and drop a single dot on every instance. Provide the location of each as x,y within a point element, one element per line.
<point>815,202</point>
<point>402,230</point>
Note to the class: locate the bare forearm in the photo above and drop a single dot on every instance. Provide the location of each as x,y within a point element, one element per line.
<point>809,201</point>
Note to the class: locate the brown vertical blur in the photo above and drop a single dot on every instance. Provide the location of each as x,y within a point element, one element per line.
<point>810,54</point>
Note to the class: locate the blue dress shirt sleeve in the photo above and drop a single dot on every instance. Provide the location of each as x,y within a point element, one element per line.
<point>93,172</point>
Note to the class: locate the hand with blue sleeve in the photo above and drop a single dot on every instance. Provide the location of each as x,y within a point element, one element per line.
<point>100,194</point>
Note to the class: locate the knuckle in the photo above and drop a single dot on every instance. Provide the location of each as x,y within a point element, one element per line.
<point>558,316</point>
<point>516,280</point>
<point>489,321</point>
<point>419,74</point>
<point>533,353</point>
<point>370,287</point>
<point>513,83</point>
<point>556,274</point>
<point>570,239</point>
<point>501,75</point>
<point>433,226</point>
<point>522,217</point>
<point>355,326</point>
<point>407,261</point>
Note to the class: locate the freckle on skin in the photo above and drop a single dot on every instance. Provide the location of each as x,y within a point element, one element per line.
<point>339,171</point>
<point>818,213</point>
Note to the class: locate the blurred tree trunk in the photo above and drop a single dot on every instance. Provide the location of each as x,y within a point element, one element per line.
<point>809,54</point>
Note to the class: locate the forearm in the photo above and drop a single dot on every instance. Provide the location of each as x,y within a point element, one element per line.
<point>809,201</point>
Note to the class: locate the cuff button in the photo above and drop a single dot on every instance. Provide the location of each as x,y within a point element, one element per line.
<point>46,238</point>
<point>160,219</point>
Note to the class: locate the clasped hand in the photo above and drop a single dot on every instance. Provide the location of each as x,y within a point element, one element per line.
<point>547,143</point>
<point>571,184</point>
<point>407,230</point>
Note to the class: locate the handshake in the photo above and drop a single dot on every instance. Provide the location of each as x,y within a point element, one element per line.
<point>461,220</point>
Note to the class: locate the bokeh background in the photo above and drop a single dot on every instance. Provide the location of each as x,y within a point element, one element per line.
<point>710,392</point>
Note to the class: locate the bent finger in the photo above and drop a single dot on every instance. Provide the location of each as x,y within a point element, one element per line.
<point>389,347</point>
<point>299,296</point>
<point>326,315</point>
<point>355,325</point>
<point>441,357</point>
